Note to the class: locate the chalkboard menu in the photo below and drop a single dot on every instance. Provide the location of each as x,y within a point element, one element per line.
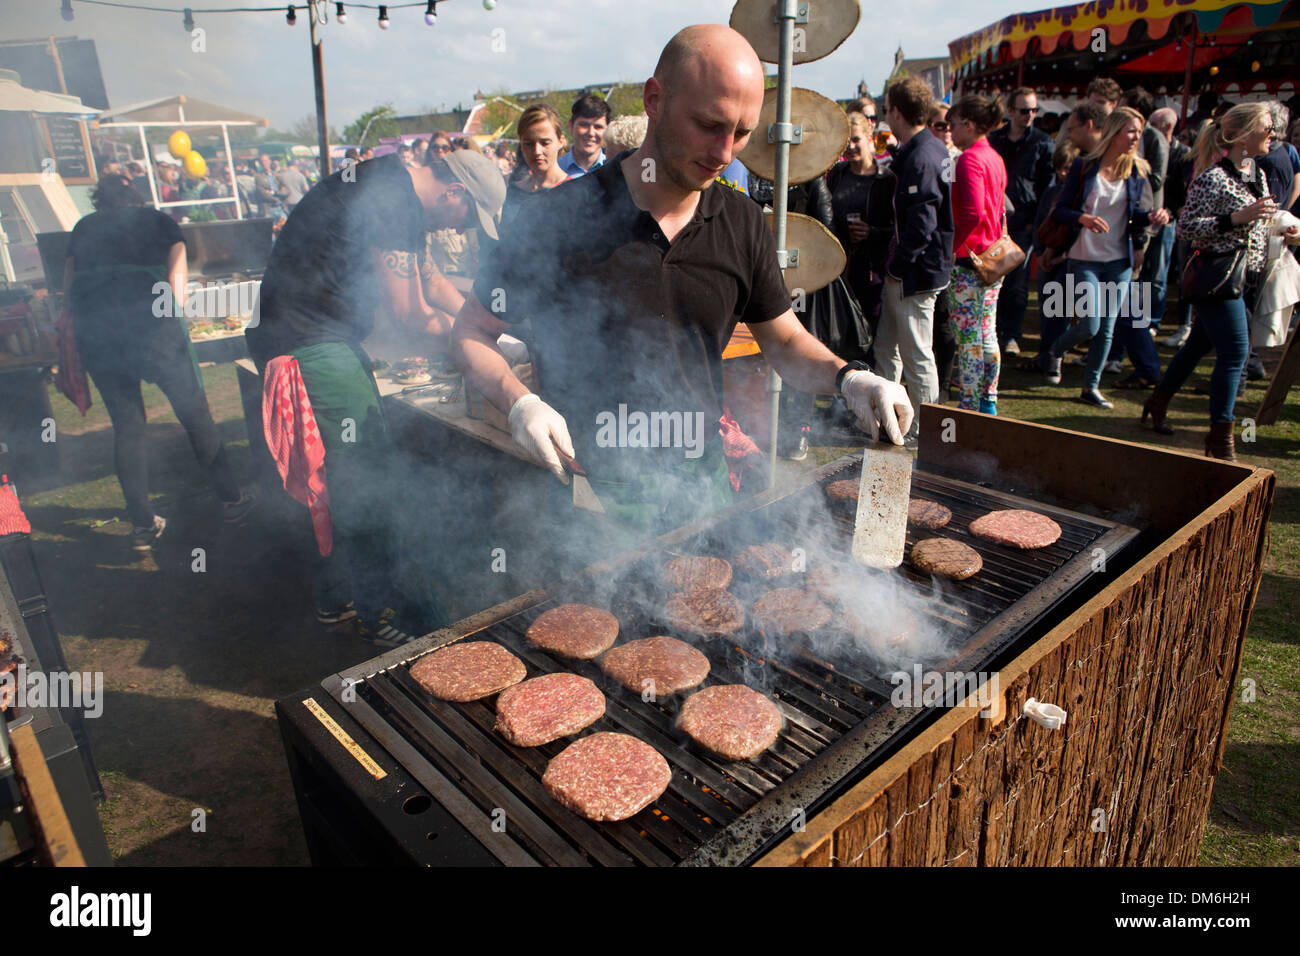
<point>70,148</point>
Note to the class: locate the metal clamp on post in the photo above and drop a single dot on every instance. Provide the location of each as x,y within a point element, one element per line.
<point>790,10</point>
<point>787,258</point>
<point>785,133</point>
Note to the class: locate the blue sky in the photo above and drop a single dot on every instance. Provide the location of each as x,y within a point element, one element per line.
<point>256,62</point>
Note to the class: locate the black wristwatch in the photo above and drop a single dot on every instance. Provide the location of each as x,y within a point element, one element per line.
<point>849,367</point>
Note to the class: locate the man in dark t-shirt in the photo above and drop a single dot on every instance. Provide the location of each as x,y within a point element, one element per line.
<point>634,277</point>
<point>354,244</point>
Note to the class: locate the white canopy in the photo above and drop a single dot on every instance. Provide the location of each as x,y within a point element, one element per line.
<point>16,98</point>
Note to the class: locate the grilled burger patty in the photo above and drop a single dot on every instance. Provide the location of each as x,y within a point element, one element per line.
<point>711,612</point>
<point>929,515</point>
<point>731,720</point>
<point>786,610</point>
<point>687,574</point>
<point>947,558</point>
<point>574,630</point>
<point>468,670</point>
<point>660,665</point>
<point>547,708</point>
<point>1017,528</point>
<point>766,560</point>
<point>607,776</point>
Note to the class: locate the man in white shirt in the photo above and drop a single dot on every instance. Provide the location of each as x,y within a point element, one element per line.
<point>587,121</point>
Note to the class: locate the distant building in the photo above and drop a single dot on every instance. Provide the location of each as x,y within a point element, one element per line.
<point>934,70</point>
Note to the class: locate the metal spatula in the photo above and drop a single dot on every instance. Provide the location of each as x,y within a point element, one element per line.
<point>584,496</point>
<point>880,527</point>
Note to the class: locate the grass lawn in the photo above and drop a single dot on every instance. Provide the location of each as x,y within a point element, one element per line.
<point>194,661</point>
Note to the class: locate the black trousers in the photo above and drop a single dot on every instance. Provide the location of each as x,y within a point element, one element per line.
<point>120,389</point>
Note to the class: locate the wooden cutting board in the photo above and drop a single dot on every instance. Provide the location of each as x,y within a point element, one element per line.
<point>825,134</point>
<point>829,24</point>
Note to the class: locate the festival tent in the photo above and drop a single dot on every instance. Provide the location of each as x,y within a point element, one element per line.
<point>199,119</point>
<point>1167,46</point>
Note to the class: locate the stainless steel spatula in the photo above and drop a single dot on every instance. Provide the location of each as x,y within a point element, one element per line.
<point>880,528</point>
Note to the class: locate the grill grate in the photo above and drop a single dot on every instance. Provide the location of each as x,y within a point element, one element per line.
<point>839,721</point>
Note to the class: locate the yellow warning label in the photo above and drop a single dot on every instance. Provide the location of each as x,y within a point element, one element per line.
<point>350,745</point>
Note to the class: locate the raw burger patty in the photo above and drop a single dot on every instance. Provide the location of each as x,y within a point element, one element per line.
<point>731,720</point>
<point>929,515</point>
<point>547,708</point>
<point>687,574</point>
<point>844,493</point>
<point>708,611</point>
<point>468,670</point>
<point>766,560</point>
<point>607,776</point>
<point>671,665</point>
<point>947,558</point>
<point>786,610</point>
<point>1017,528</point>
<point>574,630</point>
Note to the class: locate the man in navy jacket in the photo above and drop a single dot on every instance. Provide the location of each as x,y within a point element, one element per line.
<point>919,266</point>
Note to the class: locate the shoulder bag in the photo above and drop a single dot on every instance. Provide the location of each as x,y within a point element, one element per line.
<point>999,259</point>
<point>1213,276</point>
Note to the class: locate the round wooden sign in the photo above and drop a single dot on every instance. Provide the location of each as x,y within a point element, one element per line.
<point>821,257</point>
<point>829,24</point>
<point>825,134</point>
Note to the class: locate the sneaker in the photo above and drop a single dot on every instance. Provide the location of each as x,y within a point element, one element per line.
<point>1179,338</point>
<point>384,633</point>
<point>232,512</point>
<point>1011,348</point>
<point>1113,368</point>
<point>1053,371</point>
<point>800,450</point>
<point>337,616</point>
<point>1090,396</point>
<point>142,539</point>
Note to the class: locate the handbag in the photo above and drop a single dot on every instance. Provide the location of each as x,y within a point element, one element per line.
<point>1213,276</point>
<point>999,259</point>
<point>1053,234</point>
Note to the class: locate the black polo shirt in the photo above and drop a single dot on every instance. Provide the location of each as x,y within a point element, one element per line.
<point>320,283</point>
<point>623,321</point>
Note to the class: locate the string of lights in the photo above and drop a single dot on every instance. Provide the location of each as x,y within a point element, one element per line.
<point>290,10</point>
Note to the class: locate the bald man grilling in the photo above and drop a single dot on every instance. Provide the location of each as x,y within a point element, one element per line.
<point>634,277</point>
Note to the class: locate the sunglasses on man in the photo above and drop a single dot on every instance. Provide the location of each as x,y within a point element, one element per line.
<point>1026,110</point>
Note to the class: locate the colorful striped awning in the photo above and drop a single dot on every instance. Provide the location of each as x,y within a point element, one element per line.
<point>1074,26</point>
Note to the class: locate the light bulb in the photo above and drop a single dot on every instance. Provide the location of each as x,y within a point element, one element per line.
<point>489,4</point>
<point>66,10</point>
<point>291,18</point>
<point>383,17</point>
<point>340,14</point>
<point>431,14</point>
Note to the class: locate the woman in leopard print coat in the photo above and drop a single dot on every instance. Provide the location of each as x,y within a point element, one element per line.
<point>1228,207</point>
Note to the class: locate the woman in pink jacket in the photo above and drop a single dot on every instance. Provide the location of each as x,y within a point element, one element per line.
<point>977,211</point>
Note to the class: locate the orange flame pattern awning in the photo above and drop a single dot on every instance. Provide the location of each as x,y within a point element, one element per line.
<point>1075,25</point>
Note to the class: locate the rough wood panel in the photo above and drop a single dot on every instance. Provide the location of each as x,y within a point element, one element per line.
<point>1147,682</point>
<point>821,855</point>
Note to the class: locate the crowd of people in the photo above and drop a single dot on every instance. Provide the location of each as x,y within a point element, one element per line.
<point>598,240</point>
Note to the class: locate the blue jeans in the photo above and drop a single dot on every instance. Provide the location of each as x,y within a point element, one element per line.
<point>1222,326</point>
<point>1156,271</point>
<point>1094,310</point>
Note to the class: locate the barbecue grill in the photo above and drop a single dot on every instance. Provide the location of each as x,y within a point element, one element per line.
<point>834,694</point>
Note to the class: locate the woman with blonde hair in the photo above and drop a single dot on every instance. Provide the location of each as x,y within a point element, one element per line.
<point>1225,219</point>
<point>1106,199</point>
<point>541,141</point>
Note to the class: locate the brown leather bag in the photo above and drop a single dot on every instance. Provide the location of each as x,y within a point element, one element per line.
<point>999,259</point>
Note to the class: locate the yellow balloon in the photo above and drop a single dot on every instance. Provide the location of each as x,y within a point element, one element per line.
<point>179,144</point>
<point>196,165</point>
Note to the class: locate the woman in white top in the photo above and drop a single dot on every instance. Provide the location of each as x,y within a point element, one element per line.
<point>1107,198</point>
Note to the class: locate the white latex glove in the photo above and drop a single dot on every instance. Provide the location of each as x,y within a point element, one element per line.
<point>533,425</point>
<point>878,402</point>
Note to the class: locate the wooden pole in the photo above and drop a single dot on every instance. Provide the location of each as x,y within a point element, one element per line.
<point>318,75</point>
